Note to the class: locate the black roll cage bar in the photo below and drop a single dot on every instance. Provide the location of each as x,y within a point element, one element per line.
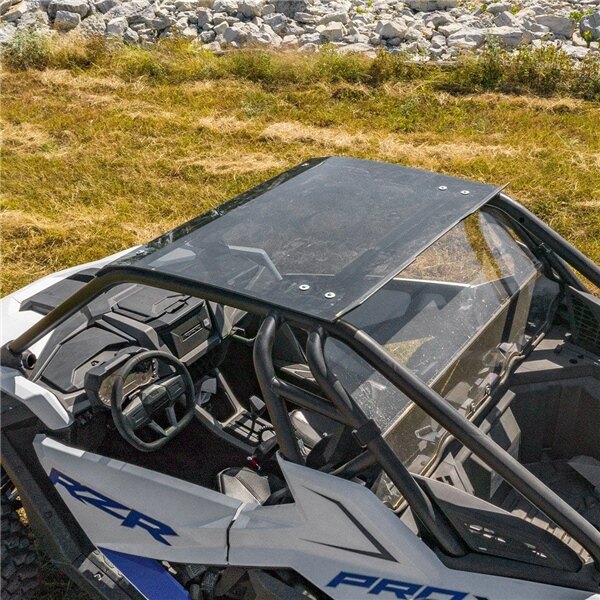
<point>340,406</point>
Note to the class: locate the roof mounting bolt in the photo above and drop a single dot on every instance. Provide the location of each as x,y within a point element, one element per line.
<point>304,286</point>
<point>329,294</point>
<point>465,192</point>
<point>443,188</point>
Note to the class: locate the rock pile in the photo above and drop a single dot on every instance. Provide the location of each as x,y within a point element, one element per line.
<point>437,30</point>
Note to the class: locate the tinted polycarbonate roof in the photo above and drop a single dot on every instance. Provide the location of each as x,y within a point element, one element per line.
<point>318,239</point>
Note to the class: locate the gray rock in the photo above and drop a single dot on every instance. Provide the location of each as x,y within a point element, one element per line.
<point>186,5</point>
<point>308,38</point>
<point>498,7</point>
<point>532,26</point>
<point>466,39</point>
<point>234,34</point>
<point>506,19</point>
<point>190,32</point>
<point>339,16</point>
<point>590,25</point>
<point>116,27</point>
<point>251,8</point>
<point>229,7</point>
<point>81,7</point>
<point>576,52</point>
<point>508,37</point>
<point>94,24</point>
<point>129,10</point>
<point>277,22</point>
<point>7,32</point>
<point>15,12</point>
<point>208,36</point>
<point>451,28</point>
<point>422,5</point>
<point>204,16</point>
<point>437,19</point>
<point>220,28</point>
<point>6,4</point>
<point>304,17</point>
<point>130,36</point>
<point>391,29</point>
<point>289,7</point>
<point>105,5</point>
<point>65,20</point>
<point>579,40</point>
<point>333,32</point>
<point>561,26</point>
<point>358,47</point>
<point>160,21</point>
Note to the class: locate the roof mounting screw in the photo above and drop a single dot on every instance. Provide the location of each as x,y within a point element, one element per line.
<point>304,287</point>
<point>443,187</point>
<point>329,294</point>
<point>465,192</point>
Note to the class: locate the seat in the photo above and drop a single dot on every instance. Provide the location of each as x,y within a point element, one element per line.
<point>244,484</point>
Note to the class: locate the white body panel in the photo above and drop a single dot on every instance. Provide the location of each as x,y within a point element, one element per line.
<point>199,516</point>
<point>14,322</point>
<point>333,527</point>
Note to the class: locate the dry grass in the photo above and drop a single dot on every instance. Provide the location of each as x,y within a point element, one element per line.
<point>99,157</point>
<point>94,162</point>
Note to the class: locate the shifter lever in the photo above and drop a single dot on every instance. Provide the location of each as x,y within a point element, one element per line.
<point>257,407</point>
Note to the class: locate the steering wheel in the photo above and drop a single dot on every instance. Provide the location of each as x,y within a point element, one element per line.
<point>159,409</point>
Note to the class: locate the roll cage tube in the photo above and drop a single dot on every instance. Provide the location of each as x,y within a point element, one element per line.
<point>548,236</point>
<point>369,436</point>
<point>112,275</point>
<point>541,496</point>
<point>347,413</point>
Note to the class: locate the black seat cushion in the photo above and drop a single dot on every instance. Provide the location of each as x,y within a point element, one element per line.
<point>244,484</point>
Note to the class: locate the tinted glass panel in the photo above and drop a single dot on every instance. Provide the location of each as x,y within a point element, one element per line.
<point>319,239</point>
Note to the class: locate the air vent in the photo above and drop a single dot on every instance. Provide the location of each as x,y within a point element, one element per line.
<point>585,319</point>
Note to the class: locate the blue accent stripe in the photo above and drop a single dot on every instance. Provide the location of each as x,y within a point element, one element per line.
<point>148,576</point>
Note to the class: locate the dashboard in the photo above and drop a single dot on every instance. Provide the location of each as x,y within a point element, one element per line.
<point>82,357</point>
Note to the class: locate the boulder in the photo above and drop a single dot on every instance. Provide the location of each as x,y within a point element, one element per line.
<point>289,7</point>
<point>65,20</point>
<point>229,7</point>
<point>506,19</point>
<point>15,12</point>
<point>81,7</point>
<point>129,10</point>
<point>451,28</point>
<point>234,34</point>
<point>589,26</point>
<point>391,29</point>
<point>93,25</point>
<point>6,4</point>
<point>131,36</point>
<point>466,38</point>
<point>508,37</point>
<point>498,7</point>
<point>186,5</point>
<point>560,26</point>
<point>339,16</point>
<point>306,18</point>
<point>116,27</point>
<point>204,16</point>
<point>333,32</point>
<point>104,6</point>
<point>251,8</point>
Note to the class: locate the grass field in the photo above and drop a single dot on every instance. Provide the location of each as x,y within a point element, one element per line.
<point>104,149</point>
